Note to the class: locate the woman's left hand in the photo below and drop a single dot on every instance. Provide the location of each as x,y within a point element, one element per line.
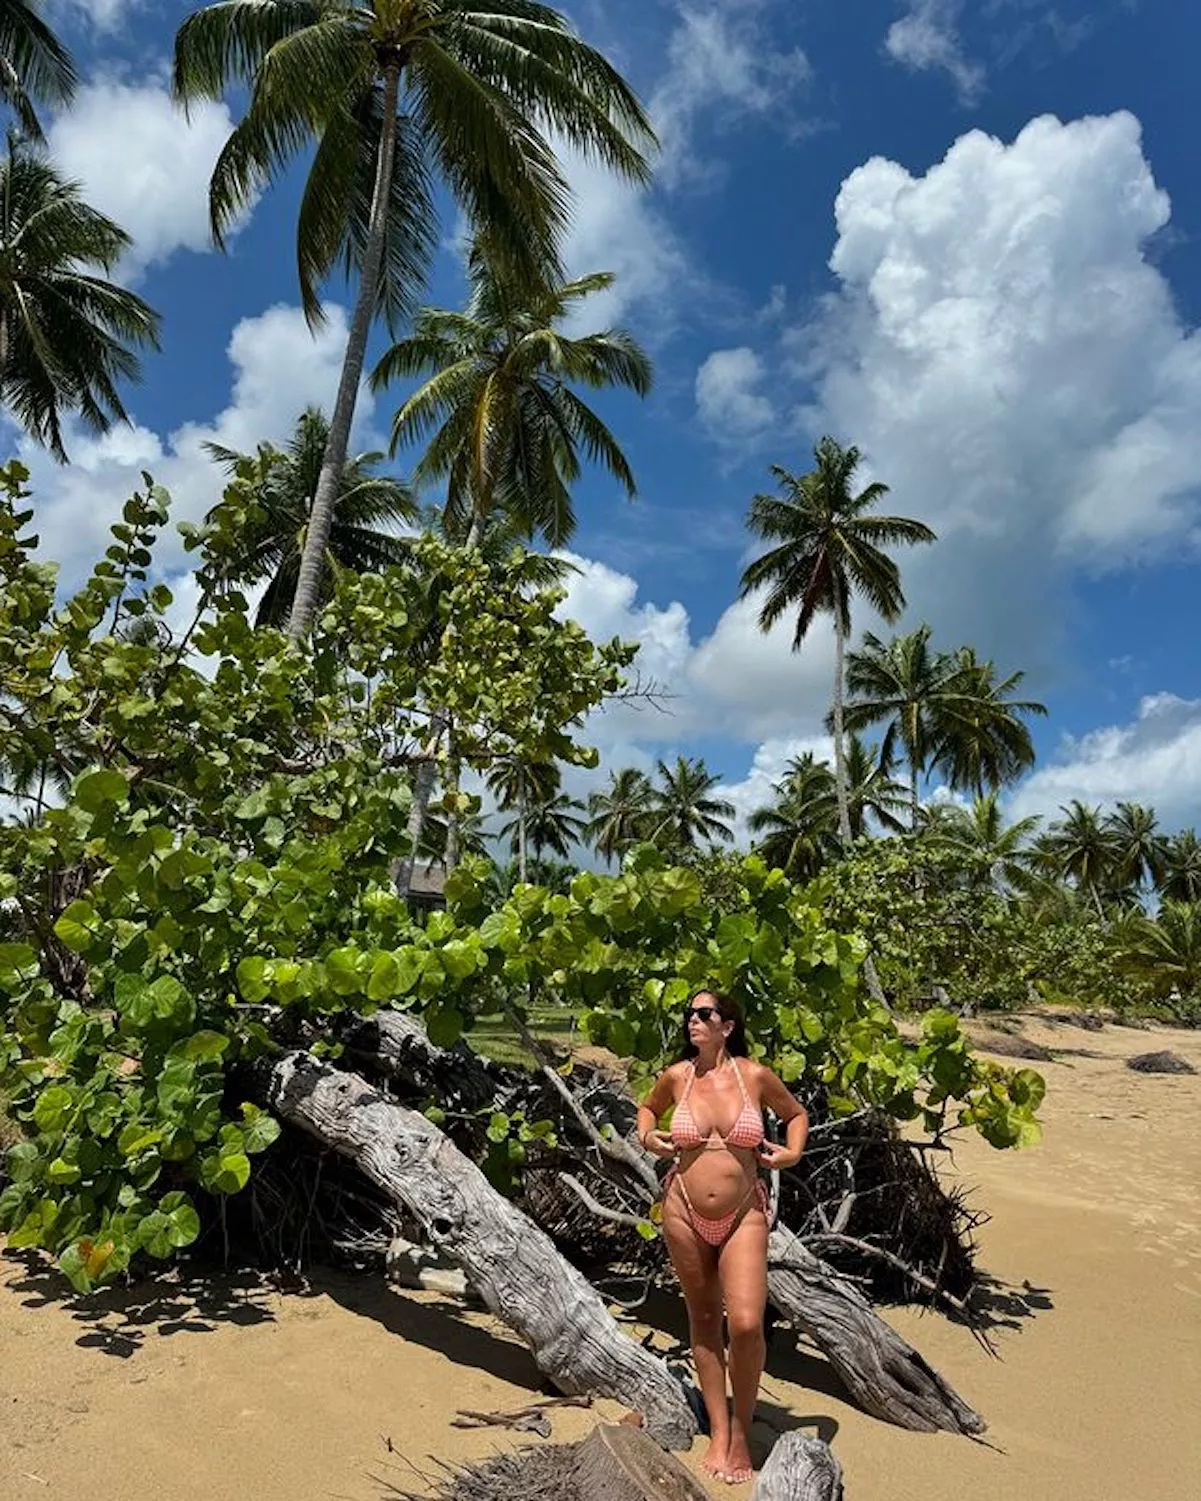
<point>776,1158</point>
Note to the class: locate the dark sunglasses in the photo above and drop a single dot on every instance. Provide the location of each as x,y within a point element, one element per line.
<point>702,1014</point>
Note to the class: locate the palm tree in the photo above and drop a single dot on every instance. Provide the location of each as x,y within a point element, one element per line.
<point>1180,871</point>
<point>979,738</point>
<point>982,830</point>
<point>505,428</point>
<point>1138,848</point>
<point>828,550</point>
<point>799,831</point>
<point>285,483</point>
<point>524,786</point>
<point>872,790</point>
<point>898,684</point>
<point>67,335</point>
<point>685,813</point>
<point>1080,848</point>
<point>620,813</point>
<point>1167,949</point>
<point>552,824</point>
<point>35,67</point>
<point>395,94</point>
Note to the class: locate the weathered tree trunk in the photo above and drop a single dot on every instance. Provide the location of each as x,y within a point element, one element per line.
<point>882,1372</point>
<point>321,514</point>
<point>507,1259</point>
<point>398,1046</point>
<point>622,1464</point>
<point>799,1469</point>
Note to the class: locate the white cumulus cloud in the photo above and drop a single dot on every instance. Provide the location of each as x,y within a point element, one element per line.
<point>143,163</point>
<point>1013,364</point>
<point>1155,759</point>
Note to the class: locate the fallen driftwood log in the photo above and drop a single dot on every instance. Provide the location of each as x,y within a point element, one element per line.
<point>513,1264</point>
<point>884,1374</point>
<point>799,1469</point>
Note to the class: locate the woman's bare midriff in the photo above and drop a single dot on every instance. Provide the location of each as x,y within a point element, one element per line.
<point>716,1180</point>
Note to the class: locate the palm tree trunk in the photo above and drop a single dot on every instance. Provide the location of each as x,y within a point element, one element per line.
<point>521,857</point>
<point>454,769</point>
<point>423,791</point>
<point>840,749</point>
<point>423,782</point>
<point>875,989</point>
<point>914,804</point>
<point>312,562</point>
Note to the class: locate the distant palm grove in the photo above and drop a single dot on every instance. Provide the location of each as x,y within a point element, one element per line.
<point>902,829</point>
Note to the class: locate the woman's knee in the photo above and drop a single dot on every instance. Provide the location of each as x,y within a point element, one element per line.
<point>745,1322</point>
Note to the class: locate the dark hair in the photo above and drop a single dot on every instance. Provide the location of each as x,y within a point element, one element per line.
<point>730,1011</point>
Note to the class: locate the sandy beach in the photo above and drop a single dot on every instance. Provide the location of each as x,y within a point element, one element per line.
<point>1093,1254</point>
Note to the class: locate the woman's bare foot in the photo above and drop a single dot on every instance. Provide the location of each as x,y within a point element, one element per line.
<point>716,1458</point>
<point>738,1466</point>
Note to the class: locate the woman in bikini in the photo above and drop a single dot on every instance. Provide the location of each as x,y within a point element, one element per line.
<point>715,1209</point>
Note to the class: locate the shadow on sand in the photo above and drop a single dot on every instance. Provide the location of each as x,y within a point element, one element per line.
<point>117,1320</point>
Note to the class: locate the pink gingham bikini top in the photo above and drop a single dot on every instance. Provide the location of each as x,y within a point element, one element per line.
<point>747,1131</point>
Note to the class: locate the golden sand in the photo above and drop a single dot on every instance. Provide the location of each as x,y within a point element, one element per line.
<point>1094,1256</point>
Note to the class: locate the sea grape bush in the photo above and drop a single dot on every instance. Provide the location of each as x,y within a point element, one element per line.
<point>227,802</point>
<point>213,880</point>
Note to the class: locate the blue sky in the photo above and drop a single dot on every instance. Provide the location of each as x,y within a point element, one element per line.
<point>962,236</point>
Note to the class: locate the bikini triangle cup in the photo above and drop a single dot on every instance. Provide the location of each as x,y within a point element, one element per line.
<point>746,1132</point>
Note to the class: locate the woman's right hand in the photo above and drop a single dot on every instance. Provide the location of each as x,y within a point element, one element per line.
<point>659,1144</point>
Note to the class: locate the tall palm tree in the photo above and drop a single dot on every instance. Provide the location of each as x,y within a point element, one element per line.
<point>873,793</point>
<point>1139,848</point>
<point>35,67</point>
<point>898,683</point>
<point>522,786</point>
<point>828,548</point>
<point>619,813</point>
<point>67,335</point>
<point>1180,872</point>
<point>685,812</point>
<point>1080,848</point>
<point>395,95</point>
<point>799,831</point>
<point>553,823</point>
<point>359,542</point>
<point>505,427</point>
<point>980,739</point>
<point>982,830</point>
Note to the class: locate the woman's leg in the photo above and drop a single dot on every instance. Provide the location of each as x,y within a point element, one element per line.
<point>695,1263</point>
<point>742,1271</point>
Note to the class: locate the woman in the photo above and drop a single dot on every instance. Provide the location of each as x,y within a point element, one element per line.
<point>714,1208</point>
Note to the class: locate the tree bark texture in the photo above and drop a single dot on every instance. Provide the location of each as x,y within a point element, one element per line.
<point>623,1464</point>
<point>799,1468</point>
<point>321,516</point>
<point>882,1372</point>
<point>512,1264</point>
